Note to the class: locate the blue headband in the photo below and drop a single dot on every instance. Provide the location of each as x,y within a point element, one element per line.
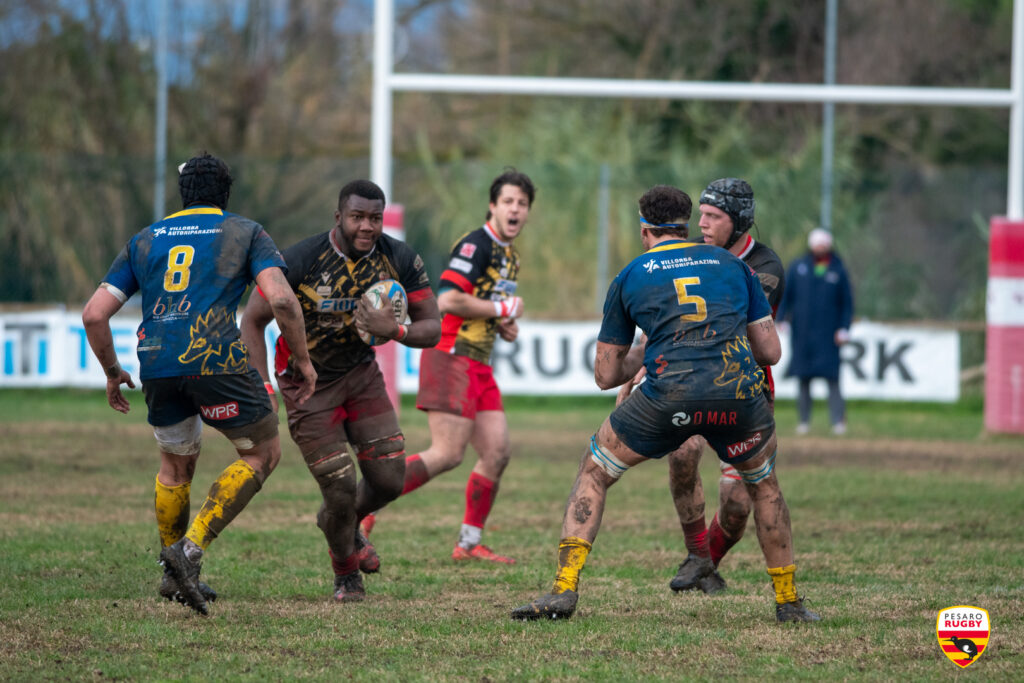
<point>662,225</point>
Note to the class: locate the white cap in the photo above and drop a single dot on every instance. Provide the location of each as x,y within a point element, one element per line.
<point>819,237</point>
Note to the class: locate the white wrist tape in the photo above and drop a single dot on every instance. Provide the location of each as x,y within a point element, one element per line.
<point>509,308</point>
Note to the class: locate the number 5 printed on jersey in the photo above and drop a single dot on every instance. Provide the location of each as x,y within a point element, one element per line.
<point>685,298</point>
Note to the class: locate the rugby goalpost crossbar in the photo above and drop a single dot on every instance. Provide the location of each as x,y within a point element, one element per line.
<point>1004,380</point>
<point>386,82</point>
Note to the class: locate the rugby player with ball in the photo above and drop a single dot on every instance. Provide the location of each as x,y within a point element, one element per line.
<point>336,276</point>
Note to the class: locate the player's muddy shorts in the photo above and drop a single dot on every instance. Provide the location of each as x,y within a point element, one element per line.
<point>728,471</point>
<point>456,384</point>
<point>353,408</point>
<point>225,402</point>
<point>734,428</point>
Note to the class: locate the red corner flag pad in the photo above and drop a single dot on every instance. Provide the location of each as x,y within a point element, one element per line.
<point>963,633</point>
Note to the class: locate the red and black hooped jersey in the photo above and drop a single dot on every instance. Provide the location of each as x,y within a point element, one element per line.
<point>329,285</point>
<point>486,267</point>
<point>768,267</point>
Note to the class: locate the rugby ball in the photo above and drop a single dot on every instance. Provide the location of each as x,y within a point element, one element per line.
<point>386,293</point>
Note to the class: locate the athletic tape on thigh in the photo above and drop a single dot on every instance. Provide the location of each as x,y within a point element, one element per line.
<point>728,471</point>
<point>249,436</point>
<point>329,461</point>
<point>382,449</point>
<point>762,472</point>
<point>606,460</point>
<point>335,474</point>
<point>183,438</point>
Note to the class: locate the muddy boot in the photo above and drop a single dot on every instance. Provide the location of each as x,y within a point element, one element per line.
<point>713,583</point>
<point>691,571</point>
<point>169,588</point>
<point>349,587</point>
<point>186,573</point>
<point>549,606</point>
<point>795,611</point>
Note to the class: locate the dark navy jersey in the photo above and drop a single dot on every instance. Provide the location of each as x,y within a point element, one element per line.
<point>329,285</point>
<point>694,302</point>
<point>192,269</point>
<point>486,267</point>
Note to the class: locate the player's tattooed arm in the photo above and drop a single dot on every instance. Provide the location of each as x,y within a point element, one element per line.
<point>614,364</point>
<point>96,318</point>
<point>764,341</point>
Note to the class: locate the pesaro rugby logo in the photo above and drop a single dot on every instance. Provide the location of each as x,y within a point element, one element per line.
<point>963,633</point>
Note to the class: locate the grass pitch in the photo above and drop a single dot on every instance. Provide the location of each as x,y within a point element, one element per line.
<point>914,511</point>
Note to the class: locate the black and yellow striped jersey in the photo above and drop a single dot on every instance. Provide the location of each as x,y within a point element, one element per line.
<point>486,267</point>
<point>329,285</point>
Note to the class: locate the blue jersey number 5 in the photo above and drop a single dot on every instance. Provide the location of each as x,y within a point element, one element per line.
<point>685,298</point>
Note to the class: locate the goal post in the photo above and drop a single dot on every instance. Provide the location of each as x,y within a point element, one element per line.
<point>1002,368</point>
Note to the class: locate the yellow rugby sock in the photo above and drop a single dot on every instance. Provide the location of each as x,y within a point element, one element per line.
<point>572,555</point>
<point>228,496</point>
<point>785,586</point>
<point>172,511</point>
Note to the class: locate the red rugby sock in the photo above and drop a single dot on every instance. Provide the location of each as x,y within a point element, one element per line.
<point>343,567</point>
<point>480,493</point>
<point>415,473</point>
<point>718,542</point>
<point>696,536</point>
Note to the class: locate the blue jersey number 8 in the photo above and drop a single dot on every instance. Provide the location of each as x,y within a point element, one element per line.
<point>179,259</point>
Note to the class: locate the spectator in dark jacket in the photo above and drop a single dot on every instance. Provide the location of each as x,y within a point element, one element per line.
<point>818,305</point>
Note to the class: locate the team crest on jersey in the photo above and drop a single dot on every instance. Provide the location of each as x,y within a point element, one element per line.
<point>963,632</point>
<point>739,368</point>
<point>216,357</point>
<point>467,250</point>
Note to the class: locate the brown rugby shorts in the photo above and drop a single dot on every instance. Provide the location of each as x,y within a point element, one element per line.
<point>352,408</point>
